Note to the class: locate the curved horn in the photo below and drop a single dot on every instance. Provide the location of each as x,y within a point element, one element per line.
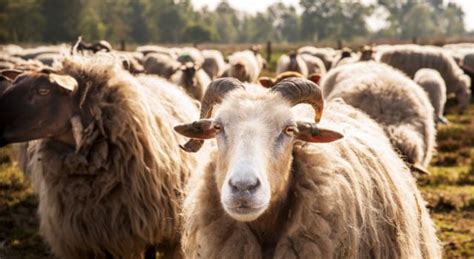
<point>214,94</point>
<point>300,90</point>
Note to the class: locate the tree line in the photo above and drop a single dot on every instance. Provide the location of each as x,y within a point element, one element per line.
<point>175,21</point>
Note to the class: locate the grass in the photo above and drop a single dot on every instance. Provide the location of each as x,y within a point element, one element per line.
<point>449,191</point>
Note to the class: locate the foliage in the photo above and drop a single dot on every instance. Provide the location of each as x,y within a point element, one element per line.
<point>173,21</point>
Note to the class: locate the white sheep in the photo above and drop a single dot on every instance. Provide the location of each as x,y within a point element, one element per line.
<point>411,58</point>
<point>325,54</point>
<point>292,62</point>
<point>245,66</point>
<point>214,63</point>
<point>393,100</point>
<point>433,84</point>
<point>192,78</point>
<point>272,190</point>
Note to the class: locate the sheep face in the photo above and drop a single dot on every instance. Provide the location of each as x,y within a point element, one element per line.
<point>37,105</point>
<point>254,154</point>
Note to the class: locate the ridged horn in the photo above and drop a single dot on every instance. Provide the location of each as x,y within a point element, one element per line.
<point>300,90</point>
<point>214,94</point>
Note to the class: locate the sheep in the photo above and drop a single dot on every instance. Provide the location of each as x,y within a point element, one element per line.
<point>160,64</point>
<point>48,58</point>
<point>193,79</point>
<point>245,66</point>
<point>271,191</point>
<point>81,46</point>
<point>345,56</point>
<point>411,58</point>
<point>34,52</point>
<point>214,63</point>
<point>147,49</point>
<point>106,164</point>
<point>188,54</point>
<point>315,65</point>
<point>325,54</point>
<point>393,100</point>
<point>292,62</point>
<point>433,84</point>
<point>366,53</point>
<point>269,82</point>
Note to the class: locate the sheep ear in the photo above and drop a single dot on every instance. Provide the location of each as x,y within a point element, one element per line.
<point>315,78</point>
<point>201,129</point>
<point>419,169</point>
<point>67,82</point>
<point>310,132</point>
<point>266,82</point>
<point>10,74</point>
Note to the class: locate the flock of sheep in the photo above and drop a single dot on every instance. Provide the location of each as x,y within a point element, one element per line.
<point>178,151</point>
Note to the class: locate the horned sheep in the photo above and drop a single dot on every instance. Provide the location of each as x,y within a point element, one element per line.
<point>393,100</point>
<point>270,191</point>
<point>412,58</point>
<point>106,165</point>
<point>433,84</point>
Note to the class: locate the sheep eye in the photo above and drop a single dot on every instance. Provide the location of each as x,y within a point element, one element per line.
<point>217,127</point>
<point>43,91</point>
<point>290,130</point>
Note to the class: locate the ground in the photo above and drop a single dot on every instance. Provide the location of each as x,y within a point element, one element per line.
<point>449,191</point>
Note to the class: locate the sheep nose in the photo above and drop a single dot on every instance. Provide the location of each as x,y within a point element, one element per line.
<point>243,185</point>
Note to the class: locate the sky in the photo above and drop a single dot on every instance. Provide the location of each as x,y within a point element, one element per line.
<point>253,6</point>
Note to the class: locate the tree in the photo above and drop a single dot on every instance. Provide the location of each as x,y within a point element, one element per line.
<point>62,20</point>
<point>418,22</point>
<point>21,21</point>
<point>334,19</point>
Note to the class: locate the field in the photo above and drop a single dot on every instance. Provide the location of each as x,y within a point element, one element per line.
<point>449,191</point>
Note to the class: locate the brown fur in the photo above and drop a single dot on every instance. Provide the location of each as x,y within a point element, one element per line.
<point>121,192</point>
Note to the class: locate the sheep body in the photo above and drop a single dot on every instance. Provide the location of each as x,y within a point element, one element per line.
<point>292,62</point>
<point>325,54</point>
<point>411,58</point>
<point>390,98</point>
<point>433,84</point>
<point>244,66</point>
<point>315,65</point>
<point>348,199</point>
<point>160,64</point>
<point>214,63</point>
<point>121,191</point>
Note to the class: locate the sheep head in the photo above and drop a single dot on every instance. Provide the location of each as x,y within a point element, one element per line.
<point>38,105</point>
<point>255,147</point>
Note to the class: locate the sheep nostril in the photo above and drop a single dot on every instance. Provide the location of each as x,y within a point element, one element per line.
<point>244,185</point>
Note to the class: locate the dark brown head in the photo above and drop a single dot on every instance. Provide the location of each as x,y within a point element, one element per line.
<point>37,105</point>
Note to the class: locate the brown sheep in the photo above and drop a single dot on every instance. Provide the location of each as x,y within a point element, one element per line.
<point>106,164</point>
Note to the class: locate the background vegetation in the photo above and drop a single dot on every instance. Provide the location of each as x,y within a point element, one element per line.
<point>174,21</point>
